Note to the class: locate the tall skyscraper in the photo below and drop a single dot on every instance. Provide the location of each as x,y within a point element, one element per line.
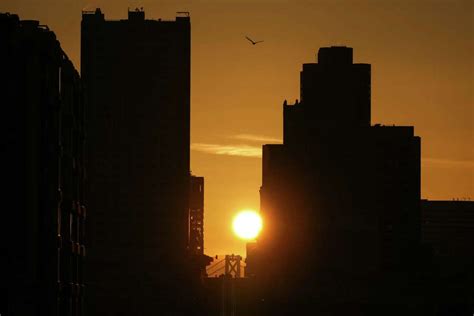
<point>136,75</point>
<point>340,198</point>
<point>42,134</point>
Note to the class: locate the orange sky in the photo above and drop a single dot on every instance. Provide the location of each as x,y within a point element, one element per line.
<point>422,74</point>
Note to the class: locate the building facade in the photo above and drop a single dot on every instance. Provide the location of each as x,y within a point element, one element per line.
<point>43,137</point>
<point>448,228</point>
<point>340,198</point>
<point>448,232</point>
<point>136,74</point>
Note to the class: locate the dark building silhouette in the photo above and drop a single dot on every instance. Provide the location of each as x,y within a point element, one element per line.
<point>448,227</point>
<point>448,231</point>
<point>136,75</point>
<point>198,259</point>
<point>196,216</point>
<point>251,249</point>
<point>43,175</point>
<point>340,199</point>
<point>231,296</point>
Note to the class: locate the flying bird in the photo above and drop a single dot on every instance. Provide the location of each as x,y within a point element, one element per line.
<point>253,42</point>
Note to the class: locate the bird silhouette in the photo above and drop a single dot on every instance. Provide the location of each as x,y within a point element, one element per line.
<point>253,42</point>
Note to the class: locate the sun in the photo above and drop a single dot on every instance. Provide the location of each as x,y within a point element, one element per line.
<point>247,224</point>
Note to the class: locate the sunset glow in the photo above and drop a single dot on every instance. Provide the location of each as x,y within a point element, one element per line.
<point>247,224</point>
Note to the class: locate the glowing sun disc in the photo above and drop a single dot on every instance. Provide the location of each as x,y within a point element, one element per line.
<point>247,224</point>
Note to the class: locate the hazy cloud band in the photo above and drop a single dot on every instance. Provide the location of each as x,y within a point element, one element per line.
<point>251,151</point>
<point>229,150</point>
<point>257,138</point>
<point>449,163</point>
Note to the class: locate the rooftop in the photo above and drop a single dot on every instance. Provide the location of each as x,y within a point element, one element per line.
<point>135,15</point>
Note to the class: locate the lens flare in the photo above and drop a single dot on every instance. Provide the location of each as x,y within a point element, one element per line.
<point>247,224</point>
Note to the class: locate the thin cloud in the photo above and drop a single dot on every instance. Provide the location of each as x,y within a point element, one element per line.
<point>229,150</point>
<point>249,151</point>
<point>257,138</point>
<point>448,163</point>
<point>89,7</point>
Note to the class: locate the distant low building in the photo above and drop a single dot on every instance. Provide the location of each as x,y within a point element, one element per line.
<point>43,180</point>
<point>448,228</point>
<point>448,231</point>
